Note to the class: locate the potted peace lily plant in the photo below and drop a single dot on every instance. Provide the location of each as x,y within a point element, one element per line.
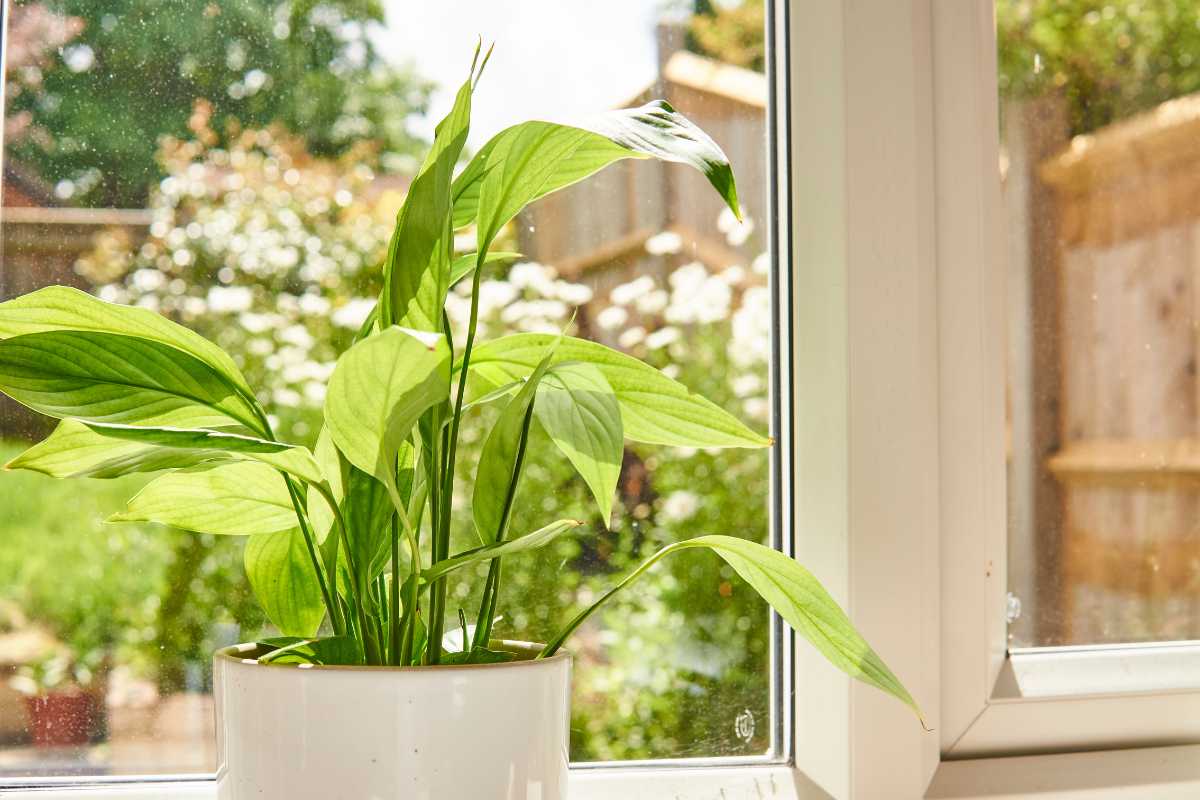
<point>366,693</point>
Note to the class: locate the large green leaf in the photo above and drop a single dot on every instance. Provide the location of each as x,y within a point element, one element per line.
<point>74,450</point>
<point>579,412</point>
<point>237,499</point>
<point>794,593</point>
<point>103,450</point>
<point>654,408</point>
<point>379,389</point>
<point>530,541</point>
<point>107,377</point>
<point>282,576</point>
<point>62,308</point>
<point>498,459</point>
<point>417,270</point>
<point>537,158</point>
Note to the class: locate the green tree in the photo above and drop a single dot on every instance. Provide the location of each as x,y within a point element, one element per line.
<point>730,33</point>
<point>1109,59</point>
<point>94,109</point>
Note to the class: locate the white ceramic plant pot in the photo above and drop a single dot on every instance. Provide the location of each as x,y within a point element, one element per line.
<point>475,732</point>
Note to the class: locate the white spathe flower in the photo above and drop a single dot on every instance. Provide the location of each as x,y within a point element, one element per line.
<point>612,318</point>
<point>230,299</point>
<point>354,313</point>
<point>680,505</point>
<point>662,337</point>
<point>626,293</point>
<point>664,243</point>
<point>632,337</point>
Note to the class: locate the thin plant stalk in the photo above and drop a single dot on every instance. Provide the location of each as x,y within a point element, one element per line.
<point>491,589</point>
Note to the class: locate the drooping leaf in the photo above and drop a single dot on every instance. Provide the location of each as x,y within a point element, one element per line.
<point>479,655</point>
<point>794,593</point>
<point>543,157</point>
<point>654,408</point>
<point>106,377</point>
<point>328,651</point>
<point>417,269</point>
<point>73,450</point>
<point>379,389</point>
<point>62,308</point>
<point>530,541</point>
<point>497,460</point>
<point>282,576</point>
<point>579,412</point>
<point>237,499</point>
<point>212,446</point>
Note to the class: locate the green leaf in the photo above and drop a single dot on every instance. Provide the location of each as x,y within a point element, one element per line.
<point>417,270</point>
<point>282,576</point>
<point>530,541</point>
<point>378,390</point>
<point>795,594</point>
<point>73,450</point>
<point>654,408</point>
<point>106,377</point>
<point>212,446</point>
<point>464,265</point>
<point>62,308</point>
<point>237,499</point>
<point>479,655</point>
<point>537,158</point>
<point>497,460</point>
<point>329,651</point>
<point>579,412</point>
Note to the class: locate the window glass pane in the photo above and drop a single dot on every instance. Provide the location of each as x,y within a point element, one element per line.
<point>1100,116</point>
<point>236,166</point>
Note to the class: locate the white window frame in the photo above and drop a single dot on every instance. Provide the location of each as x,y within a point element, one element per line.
<point>897,303</point>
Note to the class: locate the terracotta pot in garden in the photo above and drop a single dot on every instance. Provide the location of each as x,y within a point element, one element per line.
<point>65,718</point>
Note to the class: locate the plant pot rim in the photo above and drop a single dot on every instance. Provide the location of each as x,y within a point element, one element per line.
<point>239,654</point>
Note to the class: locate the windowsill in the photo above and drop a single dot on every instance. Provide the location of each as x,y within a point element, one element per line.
<point>1095,670</point>
<point>773,782</point>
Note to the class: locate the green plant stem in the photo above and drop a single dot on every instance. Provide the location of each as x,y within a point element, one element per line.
<point>394,613</point>
<point>440,482</point>
<point>491,588</point>
<point>310,542</point>
<point>410,612</point>
<point>552,646</point>
<point>369,644</point>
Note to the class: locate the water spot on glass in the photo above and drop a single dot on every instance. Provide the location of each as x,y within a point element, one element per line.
<point>743,725</point>
<point>1012,608</point>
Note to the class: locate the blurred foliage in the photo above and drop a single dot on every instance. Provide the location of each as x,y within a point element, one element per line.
<point>733,33</point>
<point>1108,59</point>
<point>85,117</point>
